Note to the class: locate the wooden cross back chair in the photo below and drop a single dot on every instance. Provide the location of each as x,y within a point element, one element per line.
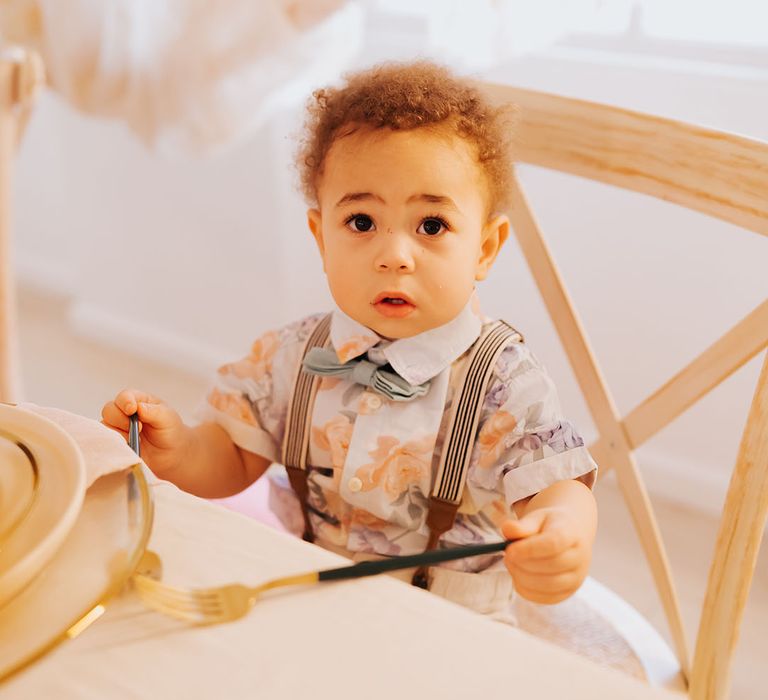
<point>714,173</point>
<point>21,77</point>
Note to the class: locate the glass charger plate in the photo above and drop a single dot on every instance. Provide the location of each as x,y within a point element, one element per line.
<point>18,484</point>
<point>42,484</point>
<point>93,564</point>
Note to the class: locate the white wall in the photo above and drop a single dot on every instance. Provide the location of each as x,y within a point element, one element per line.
<point>191,254</point>
<point>189,260</point>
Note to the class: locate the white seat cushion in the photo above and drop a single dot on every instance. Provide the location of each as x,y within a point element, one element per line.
<point>598,624</point>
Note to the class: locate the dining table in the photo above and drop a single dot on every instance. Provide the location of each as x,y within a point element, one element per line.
<point>368,638</point>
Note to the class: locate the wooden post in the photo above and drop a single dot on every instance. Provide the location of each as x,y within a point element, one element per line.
<point>7,301</point>
<point>21,74</point>
<point>738,543</point>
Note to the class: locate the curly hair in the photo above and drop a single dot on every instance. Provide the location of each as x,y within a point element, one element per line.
<point>406,96</point>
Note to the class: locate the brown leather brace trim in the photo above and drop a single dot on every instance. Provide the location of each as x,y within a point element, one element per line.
<point>298,479</point>
<point>439,520</point>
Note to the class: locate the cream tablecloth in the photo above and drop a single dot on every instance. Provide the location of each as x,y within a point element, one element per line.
<point>371,638</point>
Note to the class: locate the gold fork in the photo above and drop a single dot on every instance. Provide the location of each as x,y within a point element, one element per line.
<point>206,606</point>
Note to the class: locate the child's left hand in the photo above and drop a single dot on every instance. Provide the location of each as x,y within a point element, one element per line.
<point>551,561</point>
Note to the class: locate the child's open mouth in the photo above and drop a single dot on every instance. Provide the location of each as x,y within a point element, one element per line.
<point>393,305</point>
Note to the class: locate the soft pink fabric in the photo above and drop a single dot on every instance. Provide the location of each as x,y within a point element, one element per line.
<point>253,503</point>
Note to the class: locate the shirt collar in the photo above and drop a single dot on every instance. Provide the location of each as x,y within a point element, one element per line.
<point>418,358</point>
<point>350,338</point>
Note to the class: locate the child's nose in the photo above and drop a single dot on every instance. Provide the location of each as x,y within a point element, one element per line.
<point>394,254</point>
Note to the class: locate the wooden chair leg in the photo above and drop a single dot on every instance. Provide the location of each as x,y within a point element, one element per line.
<point>738,543</point>
<point>21,76</point>
<point>7,301</point>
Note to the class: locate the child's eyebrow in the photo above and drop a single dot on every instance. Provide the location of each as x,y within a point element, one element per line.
<point>358,197</point>
<point>432,198</point>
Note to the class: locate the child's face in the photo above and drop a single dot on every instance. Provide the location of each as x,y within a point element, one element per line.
<point>403,229</point>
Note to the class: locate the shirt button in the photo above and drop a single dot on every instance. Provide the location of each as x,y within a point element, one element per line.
<point>355,484</point>
<point>374,402</point>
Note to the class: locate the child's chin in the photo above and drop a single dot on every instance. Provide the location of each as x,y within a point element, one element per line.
<point>398,328</point>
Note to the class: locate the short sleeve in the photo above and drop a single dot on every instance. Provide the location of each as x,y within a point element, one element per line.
<point>524,443</point>
<point>249,397</point>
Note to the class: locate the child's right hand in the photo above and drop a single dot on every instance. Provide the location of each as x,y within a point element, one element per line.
<point>164,436</point>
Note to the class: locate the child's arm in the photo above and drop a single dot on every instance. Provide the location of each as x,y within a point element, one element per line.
<point>558,525</point>
<point>202,460</point>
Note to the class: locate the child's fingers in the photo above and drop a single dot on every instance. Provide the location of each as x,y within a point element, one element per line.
<point>548,590</point>
<point>163,428</point>
<point>550,543</point>
<point>556,583</point>
<point>117,430</point>
<point>569,560</point>
<point>156,415</point>
<point>113,417</point>
<point>544,533</point>
<point>525,527</point>
<point>128,400</point>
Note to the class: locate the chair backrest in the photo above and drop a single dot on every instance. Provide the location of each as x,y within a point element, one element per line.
<point>723,176</point>
<point>21,75</point>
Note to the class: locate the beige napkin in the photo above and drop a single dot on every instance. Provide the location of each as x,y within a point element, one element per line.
<point>104,450</point>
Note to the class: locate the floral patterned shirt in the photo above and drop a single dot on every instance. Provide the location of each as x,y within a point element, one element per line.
<point>372,459</point>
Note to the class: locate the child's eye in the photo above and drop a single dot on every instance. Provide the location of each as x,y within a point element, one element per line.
<point>362,223</point>
<point>432,226</point>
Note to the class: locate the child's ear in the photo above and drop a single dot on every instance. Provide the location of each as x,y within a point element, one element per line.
<point>314,221</point>
<point>495,232</point>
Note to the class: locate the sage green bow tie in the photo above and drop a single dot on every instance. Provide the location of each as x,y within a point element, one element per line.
<point>323,362</point>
